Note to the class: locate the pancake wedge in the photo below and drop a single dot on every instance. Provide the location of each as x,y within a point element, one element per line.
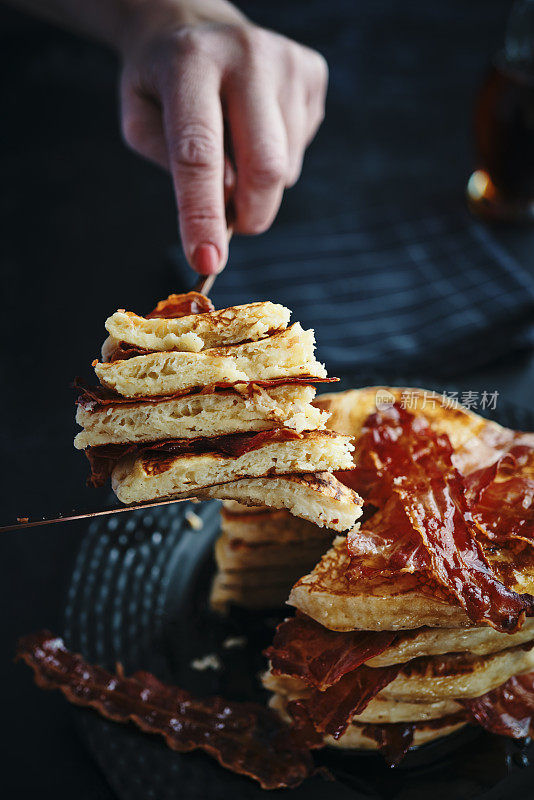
<point>195,402</point>
<point>327,596</point>
<point>236,554</point>
<point>255,525</point>
<point>457,675</point>
<point>319,498</point>
<point>197,332</point>
<point>382,603</point>
<point>437,641</point>
<point>214,414</point>
<point>264,588</point>
<point>283,355</point>
<point>153,475</point>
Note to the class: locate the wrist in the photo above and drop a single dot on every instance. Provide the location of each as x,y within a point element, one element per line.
<point>142,20</point>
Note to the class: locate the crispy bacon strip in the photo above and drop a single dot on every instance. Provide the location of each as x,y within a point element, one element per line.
<point>181,305</point>
<point>393,739</point>
<point>413,465</point>
<point>331,711</point>
<point>386,544</point>
<point>305,649</point>
<point>246,738</point>
<point>95,398</point>
<point>507,710</point>
<point>501,496</point>
<point>102,458</point>
<point>123,351</point>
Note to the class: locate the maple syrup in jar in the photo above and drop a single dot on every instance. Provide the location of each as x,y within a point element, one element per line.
<point>502,186</point>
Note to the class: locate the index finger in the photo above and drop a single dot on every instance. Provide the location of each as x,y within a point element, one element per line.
<point>193,125</point>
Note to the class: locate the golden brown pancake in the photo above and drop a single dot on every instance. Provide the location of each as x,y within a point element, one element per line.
<point>197,332</point>
<point>287,354</point>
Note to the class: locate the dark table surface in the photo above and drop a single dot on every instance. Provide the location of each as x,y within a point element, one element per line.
<point>87,227</point>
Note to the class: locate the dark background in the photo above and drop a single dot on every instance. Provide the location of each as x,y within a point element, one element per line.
<point>87,227</point>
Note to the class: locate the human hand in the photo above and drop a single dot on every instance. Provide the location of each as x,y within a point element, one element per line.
<point>192,68</point>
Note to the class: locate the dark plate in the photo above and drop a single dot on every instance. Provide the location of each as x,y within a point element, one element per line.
<point>139,595</point>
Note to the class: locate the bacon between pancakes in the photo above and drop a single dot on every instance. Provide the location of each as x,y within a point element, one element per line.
<point>94,398</point>
<point>320,657</point>
<point>103,458</point>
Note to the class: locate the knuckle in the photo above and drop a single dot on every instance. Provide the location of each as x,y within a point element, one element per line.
<point>195,146</point>
<point>189,39</point>
<point>267,169</point>
<point>252,39</point>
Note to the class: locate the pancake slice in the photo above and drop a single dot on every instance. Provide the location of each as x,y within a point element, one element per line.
<point>457,675</point>
<point>197,332</point>
<point>400,602</point>
<point>234,554</point>
<point>152,475</point>
<point>283,355</point>
<point>263,588</point>
<point>214,414</point>
<point>250,525</point>
<point>319,497</point>
<point>438,641</point>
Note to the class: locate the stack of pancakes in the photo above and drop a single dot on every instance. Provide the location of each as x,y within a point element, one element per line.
<point>195,402</point>
<point>420,621</point>
<point>260,553</point>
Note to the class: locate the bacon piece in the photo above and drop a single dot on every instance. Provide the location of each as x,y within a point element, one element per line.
<point>507,710</point>
<point>246,738</point>
<point>386,545</point>
<point>332,710</point>
<point>501,496</point>
<point>176,305</point>
<point>393,739</point>
<point>413,465</point>
<point>305,649</point>
<point>102,458</point>
<point>122,351</point>
<point>95,398</point>
<point>181,305</point>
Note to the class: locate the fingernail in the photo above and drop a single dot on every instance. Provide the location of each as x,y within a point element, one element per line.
<point>206,259</point>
